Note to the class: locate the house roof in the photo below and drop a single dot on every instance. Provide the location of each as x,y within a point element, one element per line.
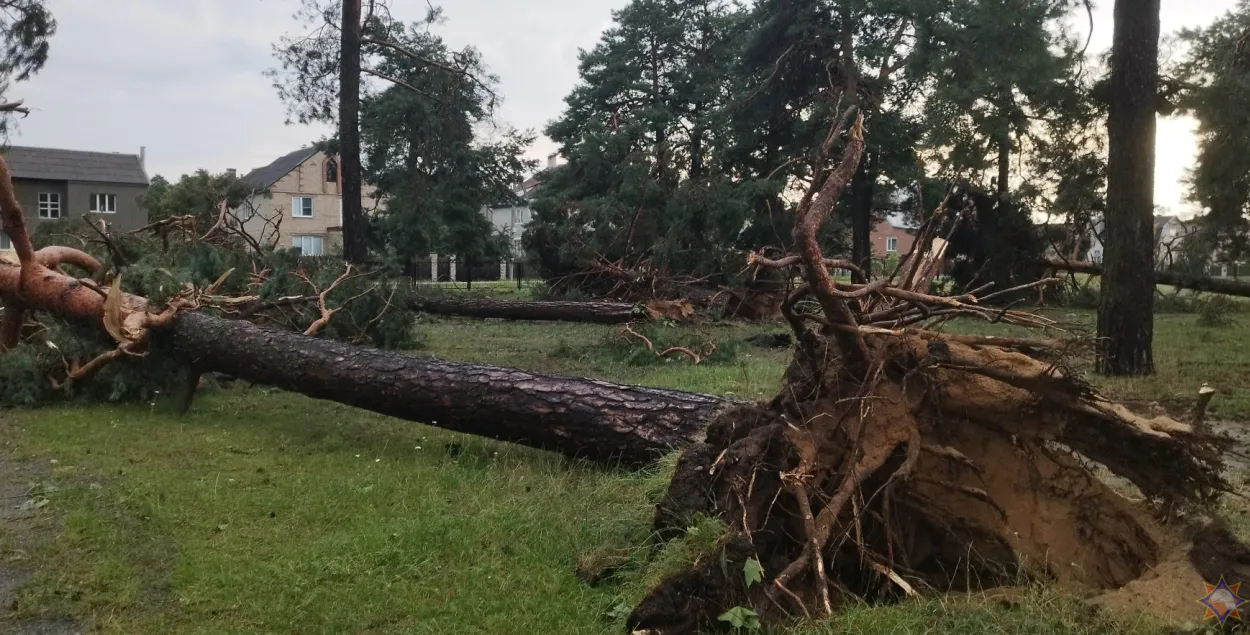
<point>901,221</point>
<point>268,175</point>
<point>26,162</point>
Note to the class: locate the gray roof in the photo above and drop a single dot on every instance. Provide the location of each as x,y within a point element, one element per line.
<point>75,165</point>
<point>270,174</point>
<point>901,221</point>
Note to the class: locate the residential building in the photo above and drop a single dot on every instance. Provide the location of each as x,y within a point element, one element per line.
<point>1170,233</point>
<point>512,220</point>
<point>304,206</point>
<point>893,236</point>
<point>53,184</point>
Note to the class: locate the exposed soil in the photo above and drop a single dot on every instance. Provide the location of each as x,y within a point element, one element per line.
<point>24,524</point>
<point>1208,550</point>
<point>951,468</point>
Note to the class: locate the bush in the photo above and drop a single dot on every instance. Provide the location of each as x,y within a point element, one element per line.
<point>1217,310</point>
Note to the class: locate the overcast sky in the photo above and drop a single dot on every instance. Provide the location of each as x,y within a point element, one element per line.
<point>184,77</point>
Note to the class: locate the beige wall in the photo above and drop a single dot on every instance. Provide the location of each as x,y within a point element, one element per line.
<point>309,179</point>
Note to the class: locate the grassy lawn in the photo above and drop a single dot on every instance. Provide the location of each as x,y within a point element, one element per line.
<point>267,512</point>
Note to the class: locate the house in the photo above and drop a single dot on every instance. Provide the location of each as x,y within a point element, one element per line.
<point>1170,233</point>
<point>893,236</point>
<point>53,184</point>
<point>304,206</point>
<point>512,220</point>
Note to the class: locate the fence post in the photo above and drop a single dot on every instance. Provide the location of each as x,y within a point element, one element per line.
<point>434,267</point>
<point>468,272</point>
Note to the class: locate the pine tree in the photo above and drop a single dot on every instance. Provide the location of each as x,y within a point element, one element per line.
<point>26,26</point>
<point>1215,74</point>
<point>322,76</point>
<point>1126,311</point>
<point>423,153</point>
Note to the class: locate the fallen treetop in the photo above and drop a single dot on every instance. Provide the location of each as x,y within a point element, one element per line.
<point>1178,280</point>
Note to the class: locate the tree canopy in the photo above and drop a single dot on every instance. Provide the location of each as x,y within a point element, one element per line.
<point>693,125</point>
<point>1215,71</point>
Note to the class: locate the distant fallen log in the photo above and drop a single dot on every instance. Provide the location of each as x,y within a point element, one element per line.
<point>1180,281</point>
<point>593,312</point>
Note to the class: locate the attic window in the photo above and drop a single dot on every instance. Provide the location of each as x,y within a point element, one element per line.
<point>332,171</point>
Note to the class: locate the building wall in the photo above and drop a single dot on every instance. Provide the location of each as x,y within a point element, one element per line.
<point>76,201</point>
<point>27,191</point>
<point>884,230</point>
<point>512,221</point>
<point>309,179</point>
<point>130,214</point>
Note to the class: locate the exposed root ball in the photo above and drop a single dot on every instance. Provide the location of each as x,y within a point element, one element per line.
<point>950,468</point>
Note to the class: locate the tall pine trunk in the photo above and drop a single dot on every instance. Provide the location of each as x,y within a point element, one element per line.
<point>1004,166</point>
<point>863,187</point>
<point>1125,315</point>
<point>355,240</point>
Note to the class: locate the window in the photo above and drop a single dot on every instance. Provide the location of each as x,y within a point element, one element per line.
<point>49,205</point>
<point>308,245</point>
<point>891,245</point>
<point>5,245</point>
<point>332,171</point>
<point>301,206</point>
<point>104,203</point>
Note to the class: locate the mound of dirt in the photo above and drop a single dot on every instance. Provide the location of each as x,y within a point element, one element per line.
<point>1169,591</point>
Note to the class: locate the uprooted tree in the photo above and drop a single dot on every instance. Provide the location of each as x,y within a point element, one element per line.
<point>895,460</point>
<point>900,459</point>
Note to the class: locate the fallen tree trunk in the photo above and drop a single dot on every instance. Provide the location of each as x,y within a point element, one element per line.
<point>1180,281</point>
<point>593,312</point>
<point>577,417</point>
<point>585,418</point>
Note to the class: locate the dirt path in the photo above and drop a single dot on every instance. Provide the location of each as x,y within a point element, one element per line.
<point>23,525</point>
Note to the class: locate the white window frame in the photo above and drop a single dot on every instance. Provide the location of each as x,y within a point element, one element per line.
<point>891,245</point>
<point>5,243</point>
<point>303,241</point>
<point>297,207</point>
<point>102,203</point>
<point>49,205</point>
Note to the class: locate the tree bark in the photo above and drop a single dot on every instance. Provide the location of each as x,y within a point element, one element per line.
<point>863,186</point>
<point>594,312</point>
<point>583,418</point>
<point>1126,312</point>
<point>1179,280</point>
<point>1004,166</point>
<point>355,240</point>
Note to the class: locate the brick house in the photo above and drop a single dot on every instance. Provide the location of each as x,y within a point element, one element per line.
<point>304,206</point>
<point>54,184</point>
<point>893,236</point>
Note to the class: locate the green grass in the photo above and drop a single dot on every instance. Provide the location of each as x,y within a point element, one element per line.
<point>267,512</point>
